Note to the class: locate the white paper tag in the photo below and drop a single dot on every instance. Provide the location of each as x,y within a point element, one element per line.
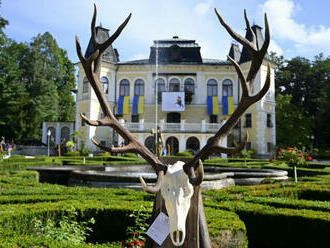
<point>160,229</point>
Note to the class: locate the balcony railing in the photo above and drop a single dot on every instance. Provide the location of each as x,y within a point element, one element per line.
<point>202,127</point>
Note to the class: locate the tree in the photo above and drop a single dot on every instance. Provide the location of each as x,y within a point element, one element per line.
<point>292,127</point>
<point>36,80</point>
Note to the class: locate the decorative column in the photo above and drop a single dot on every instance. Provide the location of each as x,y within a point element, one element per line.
<point>182,143</point>
<point>182,125</point>
<point>162,124</point>
<point>44,132</point>
<point>141,125</point>
<point>58,134</point>
<point>203,127</point>
<point>224,144</point>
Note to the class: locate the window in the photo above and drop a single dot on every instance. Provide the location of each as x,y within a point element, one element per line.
<point>160,88</point>
<point>248,120</point>
<point>173,118</point>
<point>105,84</point>
<point>101,115</point>
<point>135,118</point>
<point>269,147</point>
<point>83,123</point>
<point>85,85</point>
<point>174,85</point>
<point>189,85</point>
<point>213,119</point>
<point>227,88</point>
<point>269,120</point>
<point>150,143</point>
<point>124,88</point>
<point>212,87</point>
<point>192,144</point>
<point>103,143</point>
<point>65,134</point>
<point>139,87</point>
<point>248,146</point>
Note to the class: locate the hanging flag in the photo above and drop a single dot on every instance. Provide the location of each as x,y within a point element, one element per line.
<point>212,105</point>
<point>231,106</point>
<point>138,102</point>
<point>225,105</point>
<point>173,101</point>
<point>123,105</point>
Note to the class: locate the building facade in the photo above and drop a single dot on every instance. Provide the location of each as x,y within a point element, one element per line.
<point>210,91</point>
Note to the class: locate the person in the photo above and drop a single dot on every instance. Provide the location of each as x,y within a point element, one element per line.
<point>10,148</point>
<point>2,148</point>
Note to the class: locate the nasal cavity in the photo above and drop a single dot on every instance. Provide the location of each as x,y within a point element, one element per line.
<point>178,236</point>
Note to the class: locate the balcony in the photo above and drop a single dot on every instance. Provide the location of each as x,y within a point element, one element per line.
<point>182,127</point>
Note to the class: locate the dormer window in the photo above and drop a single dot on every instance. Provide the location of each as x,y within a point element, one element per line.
<point>175,53</point>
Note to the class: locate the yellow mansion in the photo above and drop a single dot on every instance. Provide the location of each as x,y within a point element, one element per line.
<point>188,96</point>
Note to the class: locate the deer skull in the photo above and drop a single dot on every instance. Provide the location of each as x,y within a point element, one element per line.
<point>177,192</point>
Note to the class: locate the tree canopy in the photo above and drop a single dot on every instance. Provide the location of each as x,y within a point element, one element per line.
<point>303,102</point>
<point>36,80</point>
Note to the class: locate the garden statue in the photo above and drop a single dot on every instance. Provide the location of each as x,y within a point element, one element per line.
<point>178,185</point>
<point>159,141</point>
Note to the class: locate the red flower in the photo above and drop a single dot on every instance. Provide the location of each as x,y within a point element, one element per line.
<point>301,155</point>
<point>271,159</point>
<point>291,148</point>
<point>135,241</point>
<point>309,158</point>
<point>136,233</point>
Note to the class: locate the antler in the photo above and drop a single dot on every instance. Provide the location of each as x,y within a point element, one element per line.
<point>92,67</point>
<point>214,144</point>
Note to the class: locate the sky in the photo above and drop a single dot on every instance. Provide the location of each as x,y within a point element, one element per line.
<point>297,27</point>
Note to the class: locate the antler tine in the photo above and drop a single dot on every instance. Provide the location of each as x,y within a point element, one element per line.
<point>190,171</point>
<point>103,46</point>
<point>93,31</point>
<point>246,43</point>
<point>245,90</point>
<point>153,189</point>
<point>249,29</point>
<point>115,35</point>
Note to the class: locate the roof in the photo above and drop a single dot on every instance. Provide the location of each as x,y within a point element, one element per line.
<point>110,54</point>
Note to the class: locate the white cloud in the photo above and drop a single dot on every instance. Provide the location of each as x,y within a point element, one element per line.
<point>285,28</point>
<point>203,7</point>
<point>274,47</point>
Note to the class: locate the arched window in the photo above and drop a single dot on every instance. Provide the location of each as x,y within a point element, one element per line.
<point>173,117</point>
<point>160,88</point>
<point>124,88</point>
<point>172,145</point>
<point>85,85</point>
<point>189,85</point>
<point>227,88</point>
<point>65,134</point>
<point>212,87</point>
<point>150,143</point>
<point>160,84</point>
<point>105,84</point>
<point>139,87</point>
<point>192,144</point>
<point>174,85</point>
<point>52,139</point>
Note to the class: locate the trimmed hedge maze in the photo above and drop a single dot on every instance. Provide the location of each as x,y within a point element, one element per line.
<point>270,215</point>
